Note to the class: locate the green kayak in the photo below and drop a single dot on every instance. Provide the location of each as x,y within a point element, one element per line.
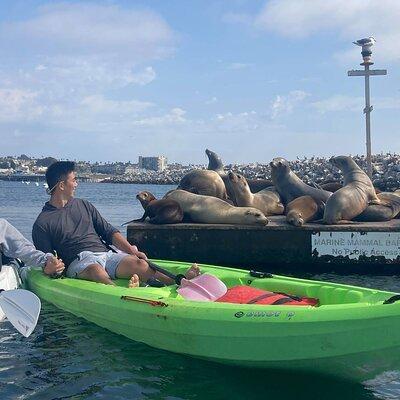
<point>352,333</point>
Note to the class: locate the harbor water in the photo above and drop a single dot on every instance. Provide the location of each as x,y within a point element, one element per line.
<point>67,357</point>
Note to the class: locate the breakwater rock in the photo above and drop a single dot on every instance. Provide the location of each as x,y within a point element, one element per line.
<point>386,171</point>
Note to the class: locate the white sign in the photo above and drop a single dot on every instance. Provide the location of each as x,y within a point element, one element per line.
<point>356,244</point>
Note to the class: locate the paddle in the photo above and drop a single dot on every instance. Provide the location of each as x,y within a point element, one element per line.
<point>22,308</point>
<point>204,287</point>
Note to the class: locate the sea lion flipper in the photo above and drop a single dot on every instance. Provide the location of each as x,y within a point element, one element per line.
<point>136,220</point>
<point>375,202</point>
<point>126,223</point>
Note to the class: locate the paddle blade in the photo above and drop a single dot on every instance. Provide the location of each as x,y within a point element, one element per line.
<point>22,308</point>
<point>204,287</point>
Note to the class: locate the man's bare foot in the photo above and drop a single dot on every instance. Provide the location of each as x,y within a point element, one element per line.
<point>193,271</point>
<point>134,281</point>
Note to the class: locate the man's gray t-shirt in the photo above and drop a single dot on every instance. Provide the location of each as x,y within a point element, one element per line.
<point>76,227</point>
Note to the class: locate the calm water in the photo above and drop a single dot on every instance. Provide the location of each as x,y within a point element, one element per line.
<point>67,357</point>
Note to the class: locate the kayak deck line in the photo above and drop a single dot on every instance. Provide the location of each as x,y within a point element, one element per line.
<point>141,300</point>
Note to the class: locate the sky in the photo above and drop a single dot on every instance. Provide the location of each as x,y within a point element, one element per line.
<point>248,79</point>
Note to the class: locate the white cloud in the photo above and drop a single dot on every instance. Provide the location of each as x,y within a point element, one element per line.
<point>17,104</point>
<point>175,116</point>
<point>242,122</point>
<point>92,29</point>
<point>97,104</point>
<point>73,59</point>
<point>338,103</point>
<point>349,20</point>
<point>285,104</point>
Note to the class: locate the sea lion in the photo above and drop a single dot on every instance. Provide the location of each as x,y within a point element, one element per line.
<point>389,209</point>
<point>331,186</point>
<point>215,164</point>
<point>334,186</point>
<point>303,209</point>
<point>266,201</point>
<point>211,210</point>
<point>355,195</point>
<point>290,186</point>
<point>204,182</point>
<point>164,211</point>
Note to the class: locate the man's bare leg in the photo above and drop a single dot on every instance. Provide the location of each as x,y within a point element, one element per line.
<point>130,265</point>
<point>96,273</point>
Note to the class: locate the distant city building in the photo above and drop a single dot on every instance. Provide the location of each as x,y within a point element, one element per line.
<point>154,163</point>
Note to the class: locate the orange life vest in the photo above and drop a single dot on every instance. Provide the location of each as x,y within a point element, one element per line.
<point>250,295</point>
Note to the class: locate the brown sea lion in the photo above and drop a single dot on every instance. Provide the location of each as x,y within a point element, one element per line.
<point>389,209</point>
<point>355,195</point>
<point>211,210</point>
<point>331,186</point>
<point>204,182</point>
<point>266,201</point>
<point>303,209</point>
<point>290,186</point>
<point>164,211</point>
<point>215,164</point>
<point>335,186</point>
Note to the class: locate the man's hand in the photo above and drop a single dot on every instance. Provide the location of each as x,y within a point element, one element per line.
<point>53,266</point>
<point>122,244</point>
<point>135,251</point>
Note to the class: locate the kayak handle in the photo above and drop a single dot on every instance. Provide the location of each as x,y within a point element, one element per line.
<point>392,299</point>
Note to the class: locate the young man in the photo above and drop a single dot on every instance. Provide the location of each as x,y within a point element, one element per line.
<point>81,236</point>
<point>14,245</point>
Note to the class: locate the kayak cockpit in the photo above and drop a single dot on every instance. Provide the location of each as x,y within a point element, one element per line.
<point>327,293</point>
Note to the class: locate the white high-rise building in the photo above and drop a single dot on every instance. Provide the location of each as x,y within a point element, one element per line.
<point>154,163</point>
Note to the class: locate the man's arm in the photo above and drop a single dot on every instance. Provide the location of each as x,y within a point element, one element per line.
<point>122,244</point>
<point>41,240</point>
<point>110,234</point>
<point>15,245</point>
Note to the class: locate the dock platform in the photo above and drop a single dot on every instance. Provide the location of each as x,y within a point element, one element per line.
<point>351,248</point>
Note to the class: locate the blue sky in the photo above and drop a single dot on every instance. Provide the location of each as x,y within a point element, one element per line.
<point>251,80</point>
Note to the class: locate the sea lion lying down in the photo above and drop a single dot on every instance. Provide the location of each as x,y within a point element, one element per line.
<point>303,209</point>
<point>204,182</point>
<point>267,201</point>
<point>164,211</point>
<point>211,210</point>
<point>389,209</point>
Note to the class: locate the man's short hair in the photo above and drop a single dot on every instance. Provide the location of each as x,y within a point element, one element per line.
<point>57,172</point>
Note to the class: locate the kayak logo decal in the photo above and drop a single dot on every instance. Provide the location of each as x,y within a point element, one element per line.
<point>239,314</point>
<point>265,314</point>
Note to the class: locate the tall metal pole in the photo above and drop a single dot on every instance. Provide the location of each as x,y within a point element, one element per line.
<point>366,53</point>
<point>367,111</point>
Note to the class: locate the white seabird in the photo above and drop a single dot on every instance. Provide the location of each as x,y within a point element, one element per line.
<point>365,42</point>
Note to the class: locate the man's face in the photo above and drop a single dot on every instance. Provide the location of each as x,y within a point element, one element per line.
<point>69,185</point>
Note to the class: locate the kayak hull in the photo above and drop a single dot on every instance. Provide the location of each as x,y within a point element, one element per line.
<point>354,338</point>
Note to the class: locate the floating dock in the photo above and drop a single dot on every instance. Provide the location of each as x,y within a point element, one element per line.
<point>351,248</point>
